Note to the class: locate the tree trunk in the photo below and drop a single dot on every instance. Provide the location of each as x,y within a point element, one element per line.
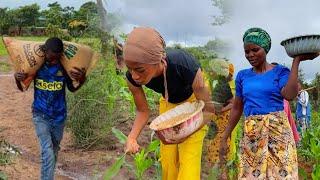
<point>19,30</point>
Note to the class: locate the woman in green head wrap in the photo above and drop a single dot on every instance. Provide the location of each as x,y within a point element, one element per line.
<point>258,37</point>
<point>267,149</point>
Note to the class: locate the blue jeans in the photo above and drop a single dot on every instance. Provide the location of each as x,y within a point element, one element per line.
<point>49,135</point>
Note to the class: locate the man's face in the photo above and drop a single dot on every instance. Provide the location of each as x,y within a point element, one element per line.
<point>53,57</point>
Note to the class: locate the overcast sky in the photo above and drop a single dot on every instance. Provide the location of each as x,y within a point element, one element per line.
<point>189,22</point>
<point>281,19</point>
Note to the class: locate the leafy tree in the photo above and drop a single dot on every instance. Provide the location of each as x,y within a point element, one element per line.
<point>76,28</point>
<point>24,16</point>
<point>225,12</point>
<point>301,78</point>
<point>27,15</point>
<point>87,12</point>
<point>54,15</point>
<point>5,20</point>
<point>88,16</point>
<point>55,31</point>
<point>218,46</point>
<point>106,24</point>
<point>315,92</point>
<point>199,53</point>
<point>68,14</point>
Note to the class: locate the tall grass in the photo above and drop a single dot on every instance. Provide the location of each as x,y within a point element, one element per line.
<point>92,108</point>
<point>3,50</point>
<point>32,38</point>
<point>309,146</point>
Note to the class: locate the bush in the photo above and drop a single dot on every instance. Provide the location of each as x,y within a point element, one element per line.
<point>55,31</point>
<point>91,109</point>
<point>310,145</point>
<point>7,153</point>
<point>3,176</point>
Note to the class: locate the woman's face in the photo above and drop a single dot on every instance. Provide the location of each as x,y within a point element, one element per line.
<point>255,54</point>
<point>142,73</point>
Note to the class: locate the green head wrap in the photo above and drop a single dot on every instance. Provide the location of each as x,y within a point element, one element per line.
<point>259,37</point>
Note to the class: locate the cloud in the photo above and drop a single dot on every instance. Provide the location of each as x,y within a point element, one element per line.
<point>177,20</point>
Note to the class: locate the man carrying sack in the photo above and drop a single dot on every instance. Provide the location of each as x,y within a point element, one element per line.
<point>49,107</point>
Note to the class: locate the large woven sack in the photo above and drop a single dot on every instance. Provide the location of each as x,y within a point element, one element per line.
<point>28,57</point>
<point>25,56</point>
<point>178,123</point>
<point>80,56</point>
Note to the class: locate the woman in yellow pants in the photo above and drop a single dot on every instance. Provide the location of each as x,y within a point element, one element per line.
<point>181,161</point>
<point>176,75</point>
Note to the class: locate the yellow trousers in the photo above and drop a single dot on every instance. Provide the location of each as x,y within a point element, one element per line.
<point>182,161</point>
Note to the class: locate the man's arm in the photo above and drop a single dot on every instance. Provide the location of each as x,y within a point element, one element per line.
<point>78,75</point>
<point>19,76</point>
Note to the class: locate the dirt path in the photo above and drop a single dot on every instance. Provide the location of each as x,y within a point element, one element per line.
<point>16,127</point>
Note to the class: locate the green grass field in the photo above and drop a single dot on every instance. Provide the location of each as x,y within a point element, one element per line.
<point>33,38</point>
<point>3,50</point>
